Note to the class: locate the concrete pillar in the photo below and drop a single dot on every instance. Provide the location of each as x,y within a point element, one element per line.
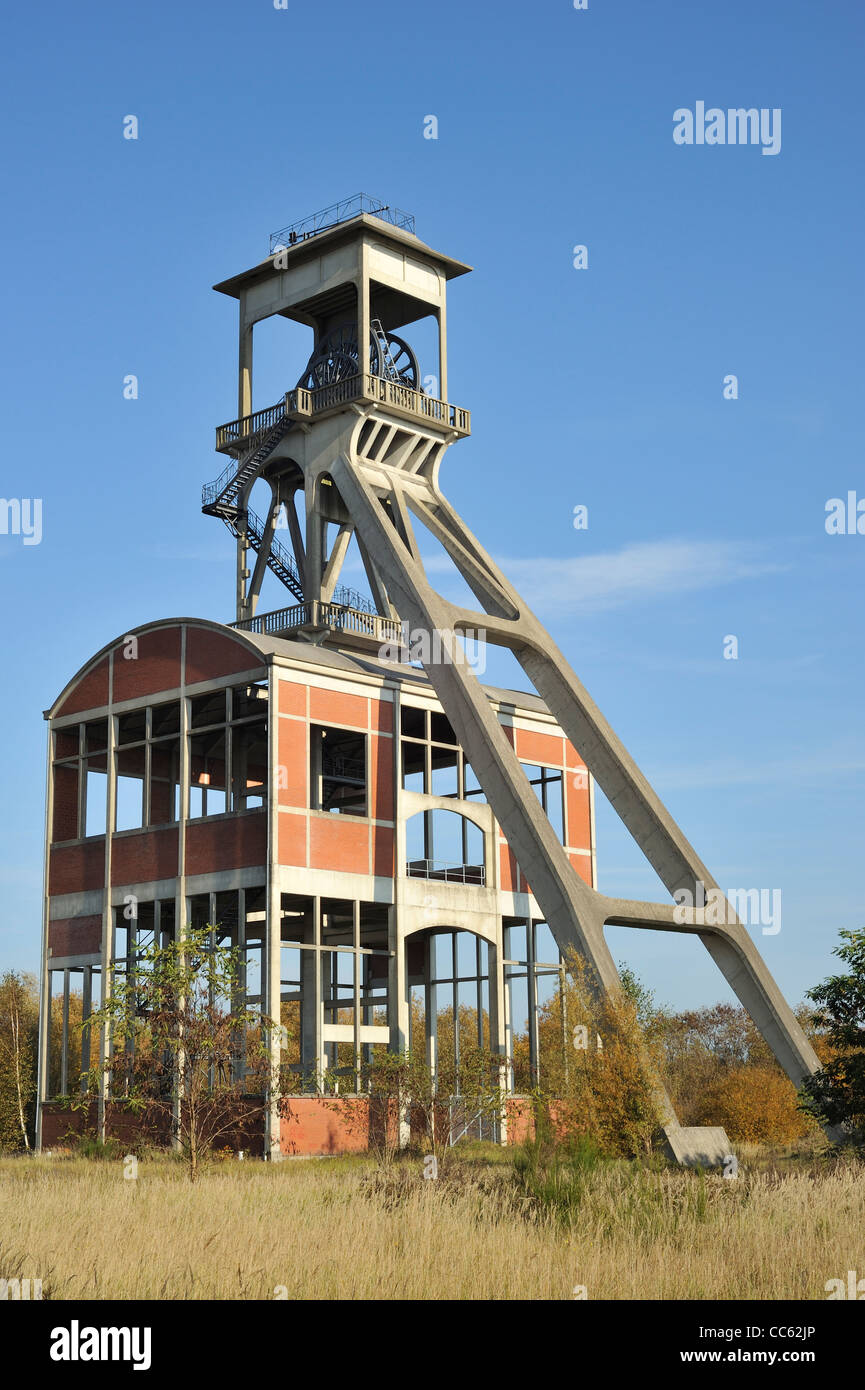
<point>311,1008</point>
<point>44,973</point>
<point>363,308</point>
<point>244,366</point>
<point>443,350</point>
<point>105,1038</point>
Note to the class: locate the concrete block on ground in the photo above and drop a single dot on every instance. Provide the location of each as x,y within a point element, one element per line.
<point>705,1146</point>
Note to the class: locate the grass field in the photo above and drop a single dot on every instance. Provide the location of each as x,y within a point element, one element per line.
<point>349,1229</point>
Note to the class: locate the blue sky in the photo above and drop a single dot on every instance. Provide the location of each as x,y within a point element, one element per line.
<point>601,387</point>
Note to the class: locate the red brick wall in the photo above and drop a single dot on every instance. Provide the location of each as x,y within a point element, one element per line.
<point>65,819</point>
<point>381,777</point>
<point>330,707</point>
<point>77,868</point>
<point>91,692</point>
<point>339,842</point>
<point>141,858</point>
<point>317,1126</point>
<point>239,842</point>
<point>155,668</point>
<point>293,771</point>
<point>75,936</point>
<point>292,840</point>
<point>212,654</point>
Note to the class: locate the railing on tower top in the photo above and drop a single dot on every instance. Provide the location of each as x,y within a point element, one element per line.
<point>335,616</point>
<point>343,211</point>
<point>362,386</point>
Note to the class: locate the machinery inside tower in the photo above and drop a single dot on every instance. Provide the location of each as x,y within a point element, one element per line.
<point>336,358</point>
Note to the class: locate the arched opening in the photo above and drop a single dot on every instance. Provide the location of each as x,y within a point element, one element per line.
<point>453,1025</point>
<point>445,846</point>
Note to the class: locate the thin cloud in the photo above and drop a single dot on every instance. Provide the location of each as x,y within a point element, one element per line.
<point>647,570</point>
<point>739,772</point>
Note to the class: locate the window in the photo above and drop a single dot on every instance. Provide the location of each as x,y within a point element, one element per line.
<point>432,761</point>
<point>459,1003</point>
<point>228,751</point>
<point>533,1012</point>
<point>548,788</point>
<point>337,770</point>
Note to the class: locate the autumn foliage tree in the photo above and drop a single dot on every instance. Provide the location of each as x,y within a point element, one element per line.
<point>596,1067</point>
<point>836,1094</point>
<point>19,1032</point>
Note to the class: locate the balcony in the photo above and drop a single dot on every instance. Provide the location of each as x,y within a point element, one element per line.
<point>303,404</point>
<point>358,628</point>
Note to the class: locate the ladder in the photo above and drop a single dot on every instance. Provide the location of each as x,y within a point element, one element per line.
<point>389,371</point>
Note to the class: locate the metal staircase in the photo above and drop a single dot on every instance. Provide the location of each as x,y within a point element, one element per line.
<point>220,498</point>
<point>222,495</point>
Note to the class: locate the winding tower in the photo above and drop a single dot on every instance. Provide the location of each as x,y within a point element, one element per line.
<point>355,449</point>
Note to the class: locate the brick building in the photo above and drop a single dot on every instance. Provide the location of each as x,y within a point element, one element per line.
<point>314,804</point>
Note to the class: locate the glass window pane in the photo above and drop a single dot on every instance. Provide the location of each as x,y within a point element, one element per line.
<point>555,806</point>
<point>95,809</point>
<point>546,950</point>
<point>413,767</point>
<point>444,772</point>
<point>413,722</point>
<point>208,709</point>
<point>515,942</point>
<point>165,719</point>
<point>467,963</point>
<point>442,956</point>
<point>132,726</point>
<point>441,729</point>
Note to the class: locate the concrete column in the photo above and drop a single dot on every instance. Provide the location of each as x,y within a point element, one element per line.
<point>64,1038</point>
<point>441,317</point>
<point>311,1008</point>
<point>272,1001</point>
<point>363,308</point>
<point>397,990</point>
<point>357,963</point>
<point>44,973</point>
<point>181,912</point>
<point>244,365</point>
<point>105,1038</point>
<point>86,1008</point>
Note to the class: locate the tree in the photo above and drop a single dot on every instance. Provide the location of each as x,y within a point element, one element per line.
<point>836,1094</point>
<point>19,1030</point>
<point>187,1057</point>
<point>597,1064</point>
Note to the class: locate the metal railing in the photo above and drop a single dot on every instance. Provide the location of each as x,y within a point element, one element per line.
<point>243,430</point>
<point>445,872</point>
<point>337,617</point>
<point>238,434</point>
<point>342,211</point>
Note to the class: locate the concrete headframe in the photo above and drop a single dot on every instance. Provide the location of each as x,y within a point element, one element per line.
<point>363,444</point>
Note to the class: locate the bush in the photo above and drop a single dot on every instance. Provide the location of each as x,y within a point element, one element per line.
<point>755,1105</point>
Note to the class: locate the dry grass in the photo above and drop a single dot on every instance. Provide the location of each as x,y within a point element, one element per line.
<point>337,1229</point>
